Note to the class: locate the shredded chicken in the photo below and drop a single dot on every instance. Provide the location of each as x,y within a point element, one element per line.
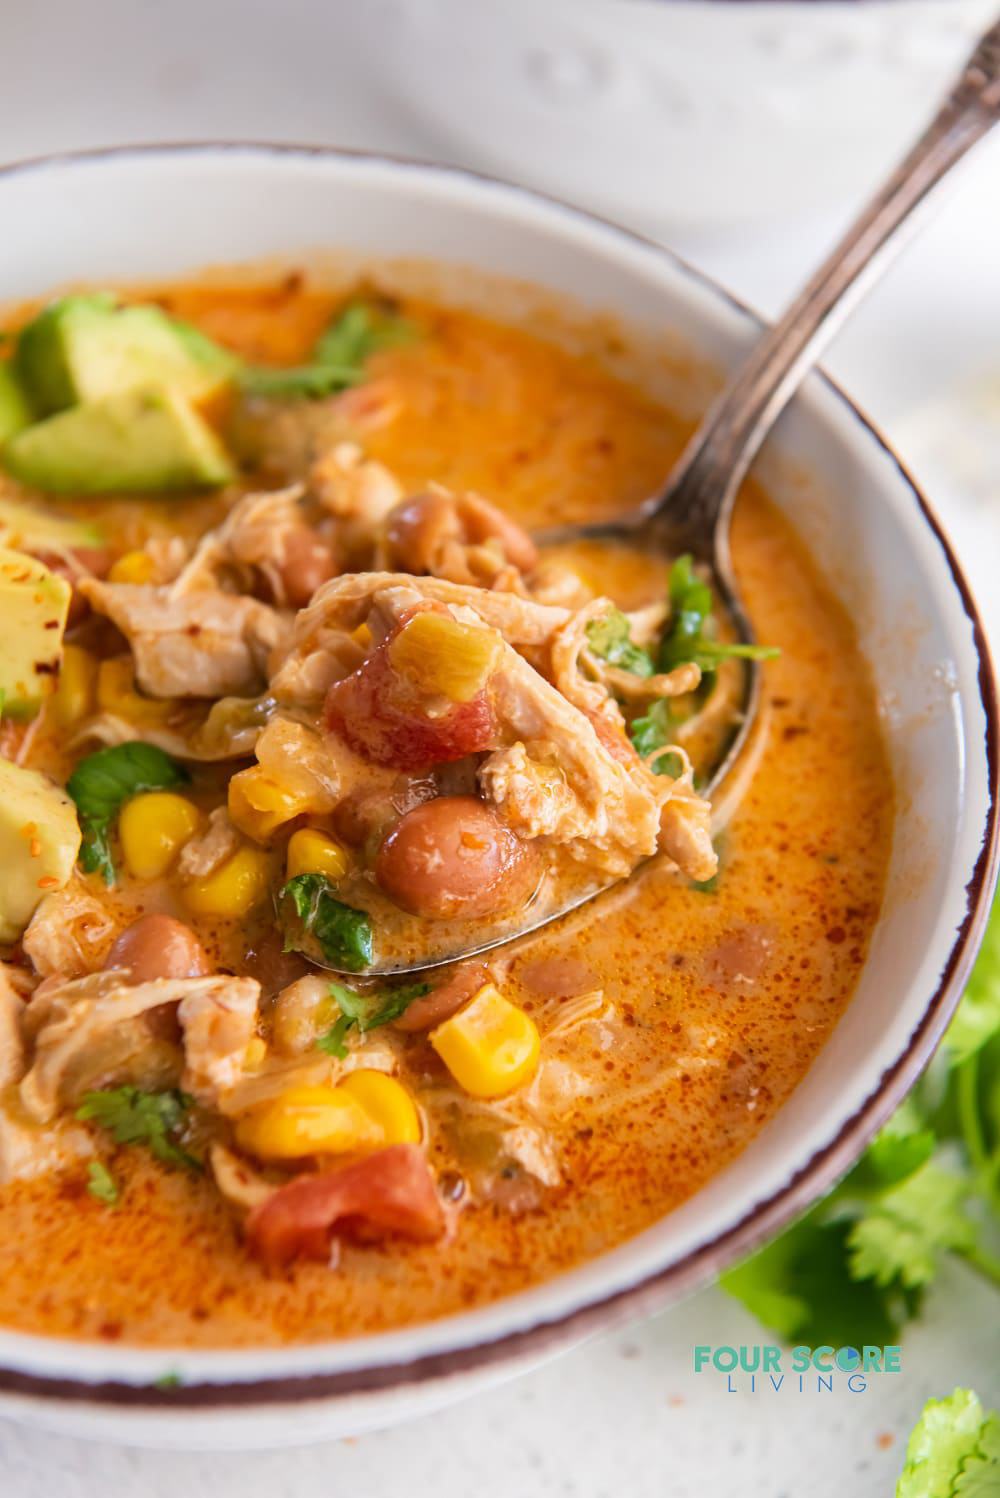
<point>12,1049</point>
<point>275,1077</point>
<point>554,774</point>
<point>69,933</point>
<point>358,492</point>
<point>219,1018</point>
<point>321,650</point>
<point>197,643</point>
<point>686,835</point>
<point>91,1032</point>
<point>558,780</point>
<point>28,1150</point>
<point>253,535</point>
<point>207,850</point>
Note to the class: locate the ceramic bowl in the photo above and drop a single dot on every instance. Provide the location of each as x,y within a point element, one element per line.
<point>135,214</point>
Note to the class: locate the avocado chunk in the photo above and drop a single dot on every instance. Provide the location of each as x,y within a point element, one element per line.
<point>14,410</point>
<point>145,439</point>
<point>34,603</point>
<point>83,348</point>
<point>39,841</point>
<point>26,528</point>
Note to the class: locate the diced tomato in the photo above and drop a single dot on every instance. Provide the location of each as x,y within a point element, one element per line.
<point>390,1191</point>
<point>614,740</point>
<point>379,717</point>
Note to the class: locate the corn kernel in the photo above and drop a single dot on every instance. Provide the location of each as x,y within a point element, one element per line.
<point>490,1046</point>
<point>116,694</point>
<point>259,804</point>
<point>231,890</point>
<point>314,852</point>
<point>73,698</point>
<point>307,1121</point>
<point>133,567</point>
<point>443,657</point>
<point>256,1053</point>
<point>387,1102</point>
<point>153,828</point>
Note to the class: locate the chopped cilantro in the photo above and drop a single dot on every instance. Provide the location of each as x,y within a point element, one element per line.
<point>344,934</point>
<point>691,628</point>
<point>954,1451</point>
<point>102,1184</point>
<point>366,1012</point>
<point>339,357</point>
<point>131,1116</point>
<point>609,638</point>
<point>168,1381</point>
<point>102,783</point>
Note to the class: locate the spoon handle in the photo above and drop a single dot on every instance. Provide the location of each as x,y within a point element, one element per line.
<point>705,481</point>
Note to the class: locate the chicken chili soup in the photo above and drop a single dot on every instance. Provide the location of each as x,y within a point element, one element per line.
<point>289,691</point>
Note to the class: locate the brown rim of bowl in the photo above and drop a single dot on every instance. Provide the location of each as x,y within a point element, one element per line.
<point>763,1220</point>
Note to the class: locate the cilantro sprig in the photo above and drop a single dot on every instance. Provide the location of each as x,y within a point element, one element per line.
<point>102,783</point>
<point>366,1012</point>
<point>154,1119</point>
<point>691,628</point>
<point>953,1451</point>
<point>309,907</point>
<point>857,1266</point>
<point>338,358</point>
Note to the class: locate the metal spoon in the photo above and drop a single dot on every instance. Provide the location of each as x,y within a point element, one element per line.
<point>693,511</point>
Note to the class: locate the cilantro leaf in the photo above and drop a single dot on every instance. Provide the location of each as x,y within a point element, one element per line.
<point>102,783</point>
<point>609,638</point>
<point>132,1116</point>
<point>344,934</point>
<point>102,1184</point>
<point>902,1234</point>
<point>338,359</point>
<point>362,329</point>
<point>654,731</point>
<point>366,1012</point>
<point>953,1451</point>
<point>801,1287</point>
<point>980,1476</point>
<point>691,628</point>
<point>303,381</point>
<point>899,1149</point>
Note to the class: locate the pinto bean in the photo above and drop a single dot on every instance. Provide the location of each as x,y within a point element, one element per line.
<point>445,1000</point>
<point>307,562</point>
<point>453,856</point>
<point>157,946</point>
<point>420,528</point>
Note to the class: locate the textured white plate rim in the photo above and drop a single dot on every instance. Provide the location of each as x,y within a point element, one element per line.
<point>568,1307</point>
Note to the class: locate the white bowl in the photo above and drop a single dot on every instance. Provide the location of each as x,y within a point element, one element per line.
<point>150,213</point>
<point>673,116</point>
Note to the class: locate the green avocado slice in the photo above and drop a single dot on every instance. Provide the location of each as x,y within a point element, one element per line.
<point>14,410</point>
<point>34,603</point>
<point>39,841</point>
<point>147,439</point>
<point>27,528</point>
<point>82,348</point>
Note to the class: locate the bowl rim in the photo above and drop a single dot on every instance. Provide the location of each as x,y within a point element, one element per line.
<point>764,1218</point>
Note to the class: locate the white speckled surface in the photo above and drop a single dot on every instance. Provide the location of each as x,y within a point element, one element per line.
<point>624,1414</point>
